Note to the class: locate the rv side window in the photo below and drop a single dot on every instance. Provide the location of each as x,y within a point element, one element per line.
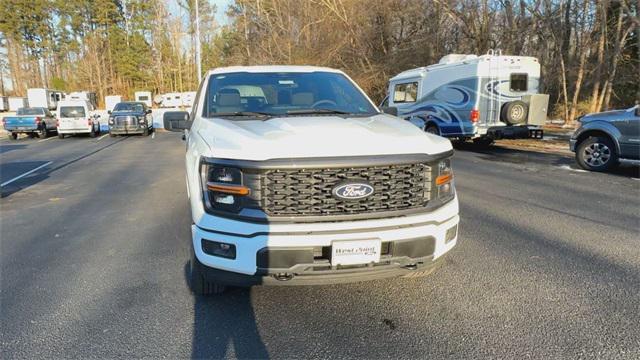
<point>519,82</point>
<point>404,93</point>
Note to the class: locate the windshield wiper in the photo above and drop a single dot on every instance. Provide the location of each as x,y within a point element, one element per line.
<point>316,111</point>
<point>243,113</point>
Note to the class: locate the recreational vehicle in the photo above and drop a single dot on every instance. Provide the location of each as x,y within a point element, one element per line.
<point>16,103</point>
<point>144,97</point>
<point>45,98</point>
<point>4,103</point>
<point>172,100</point>
<point>84,95</point>
<point>482,98</point>
<point>110,101</point>
<point>188,98</point>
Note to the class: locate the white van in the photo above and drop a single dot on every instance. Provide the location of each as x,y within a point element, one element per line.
<point>77,117</point>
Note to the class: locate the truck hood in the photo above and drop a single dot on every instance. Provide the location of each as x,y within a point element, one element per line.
<point>605,115</point>
<point>317,136</point>
<point>128,113</point>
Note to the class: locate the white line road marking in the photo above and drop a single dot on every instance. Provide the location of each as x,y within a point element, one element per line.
<point>567,167</point>
<point>153,135</point>
<point>102,137</point>
<point>25,174</point>
<point>47,139</point>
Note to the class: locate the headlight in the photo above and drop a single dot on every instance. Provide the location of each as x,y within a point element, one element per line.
<point>444,181</point>
<point>223,188</point>
<point>111,121</point>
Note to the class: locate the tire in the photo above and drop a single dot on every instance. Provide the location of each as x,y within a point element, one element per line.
<point>514,112</point>
<point>43,133</point>
<point>198,284</point>
<point>93,132</point>
<point>432,129</point>
<point>596,153</point>
<point>60,136</point>
<point>145,132</point>
<point>483,141</point>
<point>13,136</point>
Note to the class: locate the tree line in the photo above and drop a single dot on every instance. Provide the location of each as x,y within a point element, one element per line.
<point>589,50</point>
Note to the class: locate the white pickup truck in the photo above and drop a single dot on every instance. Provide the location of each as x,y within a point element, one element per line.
<point>295,177</point>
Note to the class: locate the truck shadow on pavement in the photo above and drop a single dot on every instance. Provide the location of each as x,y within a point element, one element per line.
<point>225,326</point>
<point>518,156</point>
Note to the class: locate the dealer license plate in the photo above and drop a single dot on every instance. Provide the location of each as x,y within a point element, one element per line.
<point>354,252</point>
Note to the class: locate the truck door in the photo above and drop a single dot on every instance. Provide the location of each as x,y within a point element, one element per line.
<point>629,126</point>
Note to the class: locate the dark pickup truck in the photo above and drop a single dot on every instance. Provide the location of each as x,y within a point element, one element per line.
<point>33,121</point>
<point>130,118</point>
<point>608,138</point>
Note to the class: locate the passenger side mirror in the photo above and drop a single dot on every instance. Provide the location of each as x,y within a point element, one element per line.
<point>176,121</point>
<point>391,110</point>
<point>109,112</point>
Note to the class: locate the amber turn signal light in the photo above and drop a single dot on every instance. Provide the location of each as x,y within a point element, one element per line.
<point>228,189</point>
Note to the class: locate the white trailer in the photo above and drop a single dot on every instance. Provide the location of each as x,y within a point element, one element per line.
<point>188,98</point>
<point>16,103</point>
<point>89,96</point>
<point>45,98</point>
<point>144,97</point>
<point>110,101</point>
<point>483,97</point>
<point>4,103</point>
<point>172,100</point>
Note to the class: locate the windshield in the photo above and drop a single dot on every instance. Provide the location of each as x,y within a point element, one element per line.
<point>137,107</point>
<point>284,94</point>
<point>30,111</point>
<point>71,111</point>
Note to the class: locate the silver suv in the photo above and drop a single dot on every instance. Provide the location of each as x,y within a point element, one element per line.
<point>607,139</point>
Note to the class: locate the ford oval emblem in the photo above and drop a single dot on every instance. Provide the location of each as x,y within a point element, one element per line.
<point>352,191</point>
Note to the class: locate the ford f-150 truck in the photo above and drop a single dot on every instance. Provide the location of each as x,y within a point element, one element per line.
<point>33,121</point>
<point>295,177</point>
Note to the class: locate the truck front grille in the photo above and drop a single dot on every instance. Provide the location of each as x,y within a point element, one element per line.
<point>309,192</point>
<point>125,120</point>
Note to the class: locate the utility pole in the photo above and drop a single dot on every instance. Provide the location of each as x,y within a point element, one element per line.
<point>198,60</point>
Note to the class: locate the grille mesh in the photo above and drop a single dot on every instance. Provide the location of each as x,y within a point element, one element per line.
<point>308,192</point>
<point>124,120</point>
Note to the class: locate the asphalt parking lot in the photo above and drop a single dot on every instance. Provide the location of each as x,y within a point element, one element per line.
<point>95,244</point>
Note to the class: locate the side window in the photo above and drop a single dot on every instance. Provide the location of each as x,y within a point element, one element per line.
<point>405,93</point>
<point>518,82</point>
<point>385,102</point>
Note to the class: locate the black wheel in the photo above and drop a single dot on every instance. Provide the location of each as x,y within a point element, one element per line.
<point>596,153</point>
<point>145,132</point>
<point>60,136</point>
<point>514,112</point>
<point>43,133</point>
<point>432,129</point>
<point>13,136</point>
<point>199,285</point>
<point>93,132</point>
<point>32,135</point>
<point>483,141</point>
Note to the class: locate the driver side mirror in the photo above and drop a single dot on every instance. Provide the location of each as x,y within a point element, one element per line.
<point>391,110</point>
<point>109,112</point>
<point>176,121</point>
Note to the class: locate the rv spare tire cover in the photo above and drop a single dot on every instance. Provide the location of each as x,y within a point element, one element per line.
<point>515,112</point>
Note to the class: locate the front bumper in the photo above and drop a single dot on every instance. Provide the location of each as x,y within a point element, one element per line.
<point>572,144</point>
<point>300,254</point>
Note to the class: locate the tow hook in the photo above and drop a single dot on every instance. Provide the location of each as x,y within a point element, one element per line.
<point>411,267</point>
<point>283,276</point>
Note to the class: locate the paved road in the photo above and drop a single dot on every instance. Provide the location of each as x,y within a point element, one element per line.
<point>94,248</point>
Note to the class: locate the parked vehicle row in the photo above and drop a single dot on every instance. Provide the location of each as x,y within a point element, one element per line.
<point>79,117</point>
